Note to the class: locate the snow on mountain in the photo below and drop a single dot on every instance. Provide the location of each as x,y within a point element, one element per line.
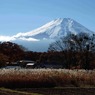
<point>40,38</point>
<point>54,29</point>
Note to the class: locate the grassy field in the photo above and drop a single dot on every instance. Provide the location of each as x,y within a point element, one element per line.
<point>61,91</point>
<point>47,82</point>
<point>48,91</point>
<point>4,91</point>
<point>46,78</point>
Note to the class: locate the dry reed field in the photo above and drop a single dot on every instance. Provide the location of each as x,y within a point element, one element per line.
<point>46,78</point>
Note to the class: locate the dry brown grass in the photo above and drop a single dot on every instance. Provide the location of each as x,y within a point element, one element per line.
<point>27,78</point>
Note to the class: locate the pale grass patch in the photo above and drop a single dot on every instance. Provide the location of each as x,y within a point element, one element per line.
<point>47,77</point>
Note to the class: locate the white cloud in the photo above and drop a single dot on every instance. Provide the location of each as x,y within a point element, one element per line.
<point>11,38</point>
<point>28,39</point>
<point>19,35</point>
<point>6,38</point>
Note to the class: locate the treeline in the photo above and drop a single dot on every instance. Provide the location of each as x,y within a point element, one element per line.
<point>78,50</point>
<point>72,52</point>
<point>69,59</point>
<point>11,52</point>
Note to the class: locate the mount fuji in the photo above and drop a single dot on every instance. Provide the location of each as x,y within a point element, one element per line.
<point>40,38</point>
<point>54,29</point>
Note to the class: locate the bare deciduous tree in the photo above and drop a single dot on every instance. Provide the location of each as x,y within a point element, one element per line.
<point>82,43</point>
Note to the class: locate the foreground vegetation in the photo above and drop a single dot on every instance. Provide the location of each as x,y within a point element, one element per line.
<point>4,91</point>
<point>46,78</point>
<point>61,91</point>
<point>48,91</point>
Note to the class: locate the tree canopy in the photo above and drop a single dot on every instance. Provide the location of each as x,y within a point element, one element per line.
<point>12,50</point>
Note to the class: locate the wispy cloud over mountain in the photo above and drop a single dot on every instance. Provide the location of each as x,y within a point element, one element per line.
<point>6,38</point>
<point>13,38</point>
<point>56,28</point>
<point>28,39</point>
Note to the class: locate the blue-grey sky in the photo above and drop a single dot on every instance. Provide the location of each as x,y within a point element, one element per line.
<point>25,15</point>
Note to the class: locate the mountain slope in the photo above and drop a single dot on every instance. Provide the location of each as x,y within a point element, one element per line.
<point>54,29</point>
<point>40,38</point>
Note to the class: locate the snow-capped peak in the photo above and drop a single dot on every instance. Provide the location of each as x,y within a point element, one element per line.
<point>42,29</point>
<point>47,33</point>
<point>56,28</point>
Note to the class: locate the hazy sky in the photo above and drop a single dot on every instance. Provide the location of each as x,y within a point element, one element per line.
<point>25,15</point>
